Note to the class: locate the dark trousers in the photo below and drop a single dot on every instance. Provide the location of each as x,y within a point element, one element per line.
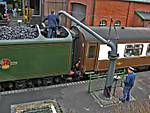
<point>52,32</point>
<point>126,94</point>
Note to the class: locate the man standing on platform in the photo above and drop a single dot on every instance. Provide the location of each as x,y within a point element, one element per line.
<point>128,84</point>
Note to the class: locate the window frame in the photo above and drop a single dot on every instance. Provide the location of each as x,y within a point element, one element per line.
<point>133,50</point>
<point>103,23</point>
<point>93,55</point>
<point>37,15</point>
<point>148,50</point>
<point>117,23</point>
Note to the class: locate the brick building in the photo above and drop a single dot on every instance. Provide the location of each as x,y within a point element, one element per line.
<point>123,12</point>
<point>41,8</point>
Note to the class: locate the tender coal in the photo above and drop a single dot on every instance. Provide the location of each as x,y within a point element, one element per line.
<point>18,32</point>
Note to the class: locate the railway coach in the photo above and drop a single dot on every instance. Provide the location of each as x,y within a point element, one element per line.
<point>133,48</point>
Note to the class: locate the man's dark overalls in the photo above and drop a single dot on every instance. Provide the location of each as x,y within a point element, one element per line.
<point>128,84</point>
<point>53,22</point>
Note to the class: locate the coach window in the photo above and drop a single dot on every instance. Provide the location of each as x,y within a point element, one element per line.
<point>103,23</point>
<point>138,48</point>
<point>92,51</point>
<point>128,50</point>
<point>148,50</point>
<point>133,50</point>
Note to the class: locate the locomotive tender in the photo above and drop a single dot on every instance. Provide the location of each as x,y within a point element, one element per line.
<point>42,61</point>
<point>24,60</point>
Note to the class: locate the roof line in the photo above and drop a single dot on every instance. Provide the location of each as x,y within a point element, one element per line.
<point>142,14</point>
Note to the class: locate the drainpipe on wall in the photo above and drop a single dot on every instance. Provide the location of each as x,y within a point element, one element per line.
<point>22,4</point>
<point>128,13</point>
<point>42,9</point>
<point>94,5</point>
<point>143,23</point>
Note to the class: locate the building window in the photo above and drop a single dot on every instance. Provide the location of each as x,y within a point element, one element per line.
<point>117,23</point>
<point>92,51</point>
<point>35,5</point>
<point>148,25</point>
<point>148,50</point>
<point>133,50</point>
<point>103,23</point>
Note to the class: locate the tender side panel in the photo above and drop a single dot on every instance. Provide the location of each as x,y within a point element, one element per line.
<point>35,60</point>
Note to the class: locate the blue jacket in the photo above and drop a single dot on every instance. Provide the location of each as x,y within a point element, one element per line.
<point>130,79</point>
<point>53,20</point>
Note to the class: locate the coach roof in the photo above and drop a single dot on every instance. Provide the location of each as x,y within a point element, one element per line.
<point>124,33</point>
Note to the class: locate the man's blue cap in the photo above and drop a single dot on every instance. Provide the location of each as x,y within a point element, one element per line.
<point>131,68</point>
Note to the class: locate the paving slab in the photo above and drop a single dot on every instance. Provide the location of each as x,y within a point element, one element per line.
<point>107,102</point>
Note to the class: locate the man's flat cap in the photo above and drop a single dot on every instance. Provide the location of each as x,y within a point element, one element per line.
<point>131,68</point>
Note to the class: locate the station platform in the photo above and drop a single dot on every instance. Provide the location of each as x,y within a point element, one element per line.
<point>74,97</point>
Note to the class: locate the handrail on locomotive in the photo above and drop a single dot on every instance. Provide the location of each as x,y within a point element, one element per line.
<point>112,55</point>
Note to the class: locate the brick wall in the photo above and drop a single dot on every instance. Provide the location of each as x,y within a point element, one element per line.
<point>105,9</point>
<point>55,5</point>
<point>89,8</point>
<point>138,21</point>
<point>136,7</point>
<point>117,9</point>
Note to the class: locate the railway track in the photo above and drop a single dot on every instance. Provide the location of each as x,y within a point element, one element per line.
<point>40,83</point>
<point>43,87</point>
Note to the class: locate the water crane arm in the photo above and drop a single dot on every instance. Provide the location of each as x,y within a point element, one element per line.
<point>84,27</point>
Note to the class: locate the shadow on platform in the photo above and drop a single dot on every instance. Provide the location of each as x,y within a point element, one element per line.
<point>107,102</point>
